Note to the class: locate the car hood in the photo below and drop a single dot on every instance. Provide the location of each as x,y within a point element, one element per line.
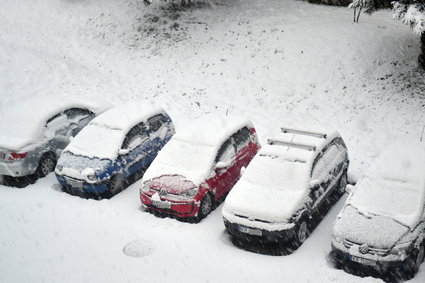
<point>374,230</point>
<point>74,165</point>
<point>270,190</point>
<point>174,184</point>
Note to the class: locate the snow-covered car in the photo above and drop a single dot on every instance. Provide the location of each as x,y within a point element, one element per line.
<point>285,186</point>
<point>381,227</point>
<point>114,146</point>
<point>35,131</point>
<point>199,166</point>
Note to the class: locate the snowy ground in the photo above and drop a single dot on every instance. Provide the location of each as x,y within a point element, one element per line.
<point>276,61</point>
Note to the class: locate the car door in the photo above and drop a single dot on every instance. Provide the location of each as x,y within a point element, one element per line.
<point>56,131</point>
<point>78,118</point>
<point>224,162</point>
<point>136,148</point>
<point>324,173</point>
<point>157,130</point>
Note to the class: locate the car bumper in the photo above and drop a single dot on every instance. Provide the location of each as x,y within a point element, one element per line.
<point>368,266</point>
<point>16,168</point>
<point>182,209</point>
<point>252,234</point>
<point>81,186</point>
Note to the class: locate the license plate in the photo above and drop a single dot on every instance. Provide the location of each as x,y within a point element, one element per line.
<point>161,204</point>
<point>75,183</point>
<point>250,231</point>
<point>364,261</point>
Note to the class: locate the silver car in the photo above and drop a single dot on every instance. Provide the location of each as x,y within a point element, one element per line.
<point>34,132</point>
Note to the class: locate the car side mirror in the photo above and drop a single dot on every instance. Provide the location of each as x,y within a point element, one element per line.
<point>123,151</point>
<point>314,183</point>
<point>349,188</point>
<point>70,138</point>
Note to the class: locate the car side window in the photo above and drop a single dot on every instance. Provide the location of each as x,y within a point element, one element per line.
<point>135,137</point>
<point>156,122</point>
<point>226,151</point>
<point>324,163</point>
<point>340,144</point>
<point>241,138</point>
<point>78,112</point>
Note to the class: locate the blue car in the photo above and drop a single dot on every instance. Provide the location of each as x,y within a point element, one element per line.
<point>118,144</point>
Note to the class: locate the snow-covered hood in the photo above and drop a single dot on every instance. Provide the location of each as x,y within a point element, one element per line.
<point>270,189</point>
<point>376,231</point>
<point>178,157</point>
<point>174,184</point>
<point>96,141</point>
<point>75,166</point>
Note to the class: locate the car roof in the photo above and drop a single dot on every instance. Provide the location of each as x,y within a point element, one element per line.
<point>125,116</point>
<point>394,185</point>
<point>300,143</point>
<point>212,129</point>
<point>24,120</point>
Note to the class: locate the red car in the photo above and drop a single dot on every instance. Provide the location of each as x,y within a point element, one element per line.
<point>198,167</point>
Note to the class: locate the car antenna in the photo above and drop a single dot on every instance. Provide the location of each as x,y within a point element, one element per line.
<point>422,135</point>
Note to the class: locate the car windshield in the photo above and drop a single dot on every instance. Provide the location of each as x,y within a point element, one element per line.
<point>79,163</point>
<point>97,141</point>
<point>387,197</point>
<point>179,157</point>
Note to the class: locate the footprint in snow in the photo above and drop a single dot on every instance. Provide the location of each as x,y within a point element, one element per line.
<point>139,248</point>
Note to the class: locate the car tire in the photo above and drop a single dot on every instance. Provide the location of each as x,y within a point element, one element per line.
<point>419,258</point>
<point>116,185</point>
<point>342,183</point>
<point>205,207</point>
<point>411,265</point>
<point>301,233</point>
<point>46,165</point>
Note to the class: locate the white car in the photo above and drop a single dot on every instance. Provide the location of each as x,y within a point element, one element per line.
<point>381,228</point>
<point>286,184</point>
<point>33,133</point>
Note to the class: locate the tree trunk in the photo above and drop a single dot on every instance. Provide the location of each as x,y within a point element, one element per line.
<point>421,58</point>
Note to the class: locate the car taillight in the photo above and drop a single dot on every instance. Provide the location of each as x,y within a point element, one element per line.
<point>17,156</point>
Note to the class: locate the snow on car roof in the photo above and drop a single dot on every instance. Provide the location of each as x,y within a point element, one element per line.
<point>191,151</point>
<point>394,185</point>
<point>126,115</point>
<point>24,120</point>
<point>104,135</point>
<point>211,129</point>
<point>276,183</point>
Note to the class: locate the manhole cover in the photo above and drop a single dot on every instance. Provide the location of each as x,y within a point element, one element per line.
<point>139,248</point>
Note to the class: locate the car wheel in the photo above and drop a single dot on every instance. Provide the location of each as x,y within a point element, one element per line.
<point>205,207</point>
<point>46,165</point>
<point>116,185</point>
<point>419,257</point>
<point>301,233</point>
<point>342,183</point>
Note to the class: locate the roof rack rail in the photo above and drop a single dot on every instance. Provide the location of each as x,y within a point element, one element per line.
<point>290,144</point>
<point>306,133</point>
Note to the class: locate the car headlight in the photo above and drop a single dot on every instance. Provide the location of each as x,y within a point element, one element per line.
<point>145,188</point>
<point>402,249</point>
<point>190,193</point>
<point>59,167</point>
<point>89,175</point>
<point>338,239</point>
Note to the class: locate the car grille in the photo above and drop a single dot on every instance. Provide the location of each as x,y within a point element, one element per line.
<point>252,219</point>
<point>368,250</point>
